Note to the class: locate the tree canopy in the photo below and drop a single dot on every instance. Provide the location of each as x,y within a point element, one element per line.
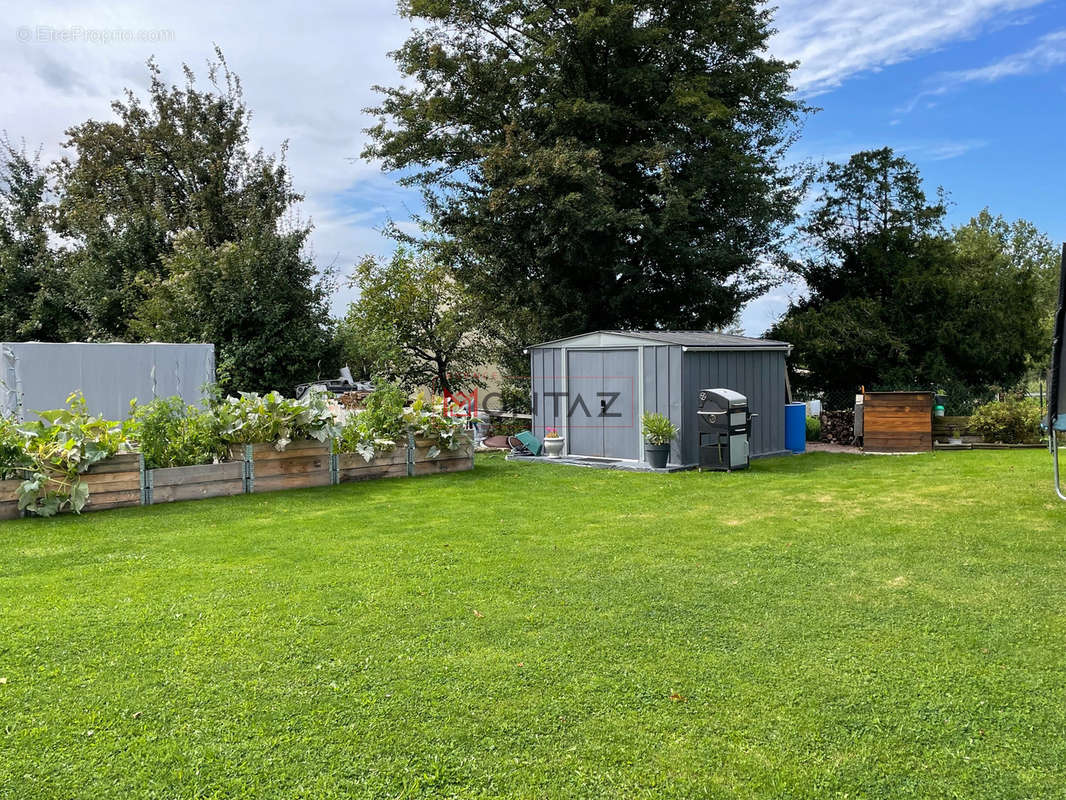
<point>414,322</point>
<point>170,227</point>
<point>895,301</point>
<point>602,164</point>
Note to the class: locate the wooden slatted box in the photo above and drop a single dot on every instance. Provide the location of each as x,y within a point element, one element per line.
<point>353,467</point>
<point>9,501</point>
<point>300,465</point>
<point>194,483</point>
<point>116,482</point>
<point>446,461</point>
<point>897,422</point>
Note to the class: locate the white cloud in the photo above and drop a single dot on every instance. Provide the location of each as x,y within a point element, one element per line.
<point>836,39</point>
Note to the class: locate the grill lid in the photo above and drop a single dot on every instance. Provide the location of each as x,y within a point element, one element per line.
<point>722,398</point>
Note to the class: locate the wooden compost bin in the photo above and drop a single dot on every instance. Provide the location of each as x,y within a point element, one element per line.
<point>353,467</point>
<point>445,461</point>
<point>300,465</point>
<point>194,483</point>
<point>115,482</point>
<point>897,422</point>
<point>9,500</point>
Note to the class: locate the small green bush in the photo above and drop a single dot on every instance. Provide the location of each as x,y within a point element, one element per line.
<point>814,429</point>
<point>1009,422</point>
<point>173,434</point>
<point>12,456</point>
<point>378,426</point>
<point>658,429</point>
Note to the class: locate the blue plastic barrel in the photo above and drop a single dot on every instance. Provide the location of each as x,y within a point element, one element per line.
<point>796,427</point>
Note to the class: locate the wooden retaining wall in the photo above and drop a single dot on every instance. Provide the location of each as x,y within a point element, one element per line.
<point>350,467</point>
<point>9,500</point>
<point>116,482</point>
<point>122,480</point>
<point>446,461</point>
<point>194,483</point>
<point>897,422</point>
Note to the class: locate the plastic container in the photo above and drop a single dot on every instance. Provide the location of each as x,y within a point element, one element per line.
<point>796,427</point>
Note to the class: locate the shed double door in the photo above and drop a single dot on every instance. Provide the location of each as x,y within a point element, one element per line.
<point>602,403</point>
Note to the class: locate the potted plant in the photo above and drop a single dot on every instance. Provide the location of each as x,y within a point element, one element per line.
<point>658,433</point>
<point>553,443</point>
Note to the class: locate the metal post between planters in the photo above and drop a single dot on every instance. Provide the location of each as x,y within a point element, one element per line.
<point>249,470</point>
<point>410,455</point>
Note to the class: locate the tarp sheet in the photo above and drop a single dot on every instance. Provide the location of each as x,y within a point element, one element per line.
<point>37,376</point>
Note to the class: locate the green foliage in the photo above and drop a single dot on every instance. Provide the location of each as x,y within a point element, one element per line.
<point>170,433</point>
<point>172,228</point>
<point>507,426</point>
<point>257,299</point>
<point>12,455</point>
<point>814,429</point>
<point>895,301</point>
<point>58,447</point>
<point>435,420</point>
<point>657,429</point>
<point>379,425</point>
<point>627,152</point>
<point>252,419</point>
<point>1009,421</point>
<point>414,323</point>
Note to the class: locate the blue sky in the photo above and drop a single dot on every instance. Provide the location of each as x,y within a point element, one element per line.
<point>974,91</point>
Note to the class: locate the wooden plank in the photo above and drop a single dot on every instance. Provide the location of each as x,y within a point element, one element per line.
<point>372,472</point>
<point>126,462</point>
<point>9,503</point>
<point>197,491</point>
<point>267,452</point>
<point>100,501</point>
<point>356,461</point>
<point>450,465</point>
<point>203,473</point>
<point>296,465</point>
<point>277,483</point>
<point>112,481</point>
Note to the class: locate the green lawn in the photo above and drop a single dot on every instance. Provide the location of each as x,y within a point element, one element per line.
<point>825,626</point>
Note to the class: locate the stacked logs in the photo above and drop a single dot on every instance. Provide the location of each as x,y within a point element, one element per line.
<point>838,427</point>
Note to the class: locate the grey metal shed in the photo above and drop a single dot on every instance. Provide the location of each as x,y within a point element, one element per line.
<point>595,387</point>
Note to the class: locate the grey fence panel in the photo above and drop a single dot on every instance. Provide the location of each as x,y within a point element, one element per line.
<point>41,375</point>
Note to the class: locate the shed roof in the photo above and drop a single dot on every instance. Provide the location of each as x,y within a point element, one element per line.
<point>699,339</point>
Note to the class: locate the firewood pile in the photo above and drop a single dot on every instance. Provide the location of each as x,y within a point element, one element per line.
<point>838,427</point>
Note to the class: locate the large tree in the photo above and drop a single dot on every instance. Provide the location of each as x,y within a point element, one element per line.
<point>179,231</point>
<point>413,322</point>
<point>601,164</point>
<point>894,301</point>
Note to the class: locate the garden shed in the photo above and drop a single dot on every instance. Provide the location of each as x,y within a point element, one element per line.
<point>595,387</point>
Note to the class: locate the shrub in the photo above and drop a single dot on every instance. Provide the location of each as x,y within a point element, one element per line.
<point>1010,421</point>
<point>12,457</point>
<point>434,421</point>
<point>253,418</point>
<point>658,429</point>
<point>376,428</point>
<point>58,447</point>
<point>173,434</point>
<point>814,429</point>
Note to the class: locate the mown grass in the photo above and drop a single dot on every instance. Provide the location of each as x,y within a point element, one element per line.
<point>824,626</point>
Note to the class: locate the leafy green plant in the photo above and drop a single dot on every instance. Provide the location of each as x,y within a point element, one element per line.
<point>58,447</point>
<point>173,434</point>
<point>658,429</point>
<point>814,429</point>
<point>1010,421</point>
<point>506,426</point>
<point>434,420</point>
<point>252,418</point>
<point>12,456</point>
<point>375,428</point>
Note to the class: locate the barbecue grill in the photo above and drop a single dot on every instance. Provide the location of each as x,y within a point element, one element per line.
<point>724,430</point>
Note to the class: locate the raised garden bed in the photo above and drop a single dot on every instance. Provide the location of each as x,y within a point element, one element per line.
<point>9,500</point>
<point>299,466</point>
<point>116,482</point>
<point>194,483</point>
<point>445,461</point>
<point>353,467</point>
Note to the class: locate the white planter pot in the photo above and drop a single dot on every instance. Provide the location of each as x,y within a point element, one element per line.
<point>553,448</point>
